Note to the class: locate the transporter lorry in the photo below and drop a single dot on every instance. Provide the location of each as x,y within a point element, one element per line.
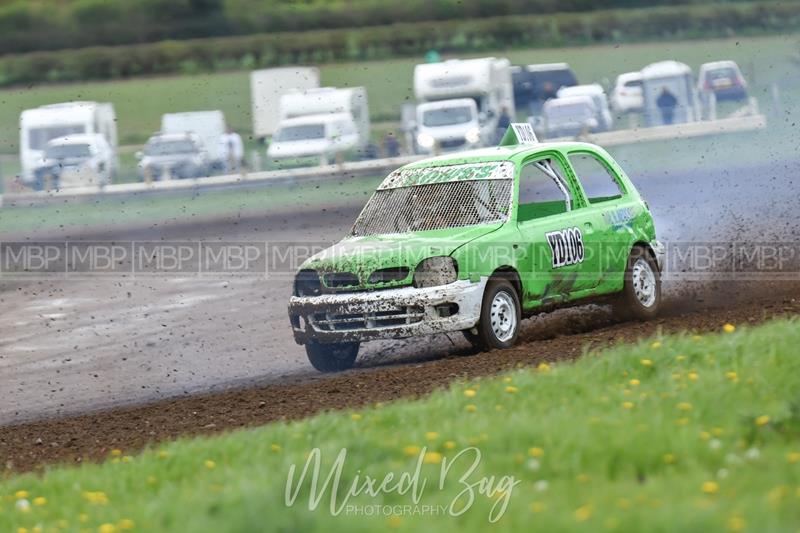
<point>267,86</point>
<point>319,125</point>
<point>460,103</point>
<point>41,125</point>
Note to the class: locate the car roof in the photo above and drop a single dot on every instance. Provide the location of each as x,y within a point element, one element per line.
<point>316,119</point>
<point>580,90</point>
<point>712,65</point>
<point>514,153</point>
<point>562,101</point>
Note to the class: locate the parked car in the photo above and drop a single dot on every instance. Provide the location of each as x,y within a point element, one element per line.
<point>627,95</point>
<point>535,84</point>
<point>314,139</point>
<point>476,241</point>
<point>605,121</point>
<point>724,79</point>
<point>75,160</point>
<point>569,116</point>
<point>174,155</point>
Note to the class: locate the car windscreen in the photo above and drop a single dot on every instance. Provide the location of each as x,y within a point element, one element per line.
<point>38,137</point>
<point>447,117</point>
<point>170,147</point>
<point>722,73</point>
<point>300,133</point>
<point>67,151</point>
<point>568,112</point>
<point>439,198</point>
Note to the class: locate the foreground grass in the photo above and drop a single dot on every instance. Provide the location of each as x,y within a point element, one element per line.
<point>673,434</point>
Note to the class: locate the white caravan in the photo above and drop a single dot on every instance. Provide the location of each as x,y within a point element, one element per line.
<point>40,125</point>
<point>208,126</point>
<point>267,86</point>
<point>320,123</point>
<point>460,103</point>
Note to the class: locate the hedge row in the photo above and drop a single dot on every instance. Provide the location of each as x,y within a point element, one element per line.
<point>266,50</point>
<point>27,25</point>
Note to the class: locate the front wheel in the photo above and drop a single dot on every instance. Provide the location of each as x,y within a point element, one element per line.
<point>641,292</point>
<point>332,357</point>
<point>501,316</point>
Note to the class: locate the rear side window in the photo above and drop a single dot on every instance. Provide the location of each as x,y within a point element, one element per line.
<point>542,190</point>
<point>599,184</point>
<point>633,83</point>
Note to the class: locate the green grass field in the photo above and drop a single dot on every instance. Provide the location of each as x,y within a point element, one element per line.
<point>141,102</point>
<point>676,433</point>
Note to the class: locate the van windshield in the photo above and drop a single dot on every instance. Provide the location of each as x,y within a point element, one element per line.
<point>67,151</point>
<point>569,112</point>
<point>447,117</point>
<point>170,147</point>
<point>301,133</point>
<point>38,137</point>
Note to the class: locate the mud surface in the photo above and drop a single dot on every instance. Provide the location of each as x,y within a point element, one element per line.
<point>87,365</point>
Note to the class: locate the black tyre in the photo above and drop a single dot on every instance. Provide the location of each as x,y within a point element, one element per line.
<point>332,357</point>
<point>501,316</point>
<point>641,293</point>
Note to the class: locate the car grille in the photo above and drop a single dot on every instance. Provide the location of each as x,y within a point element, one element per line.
<point>398,316</point>
<point>338,280</point>
<point>452,143</point>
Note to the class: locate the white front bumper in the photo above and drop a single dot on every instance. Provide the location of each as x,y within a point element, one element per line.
<point>386,314</point>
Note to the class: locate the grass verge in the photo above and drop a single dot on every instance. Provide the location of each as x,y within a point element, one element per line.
<point>676,433</point>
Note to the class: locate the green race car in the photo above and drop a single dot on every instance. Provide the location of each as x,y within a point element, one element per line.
<point>474,242</point>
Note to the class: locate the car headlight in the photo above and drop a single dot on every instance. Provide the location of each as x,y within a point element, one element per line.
<point>307,283</point>
<point>473,136</point>
<point>426,140</point>
<point>435,271</point>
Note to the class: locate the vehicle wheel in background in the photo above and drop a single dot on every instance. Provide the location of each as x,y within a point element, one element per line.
<point>501,316</point>
<point>641,293</point>
<point>332,357</point>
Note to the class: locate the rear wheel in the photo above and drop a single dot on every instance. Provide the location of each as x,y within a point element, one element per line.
<point>332,357</point>
<point>641,292</point>
<point>500,317</point>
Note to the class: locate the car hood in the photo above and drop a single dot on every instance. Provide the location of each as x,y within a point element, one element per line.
<point>361,256</point>
<point>299,148</point>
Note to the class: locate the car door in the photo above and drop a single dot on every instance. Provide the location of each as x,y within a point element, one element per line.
<point>609,209</point>
<point>553,233</point>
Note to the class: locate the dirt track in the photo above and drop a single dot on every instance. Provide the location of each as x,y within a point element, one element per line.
<point>75,346</point>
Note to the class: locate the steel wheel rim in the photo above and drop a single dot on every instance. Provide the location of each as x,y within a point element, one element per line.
<point>644,282</point>
<point>503,316</point>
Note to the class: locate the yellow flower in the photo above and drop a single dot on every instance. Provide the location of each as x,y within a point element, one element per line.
<point>710,487</point>
<point>762,420</point>
<point>682,421</point>
<point>411,450</point>
<point>162,454</point>
<point>685,406</point>
<point>471,408</point>
<point>583,513</point>
<point>736,523</point>
<point>431,435</point>
<point>39,501</point>
<point>728,328</point>
<point>705,435</point>
<point>152,480</point>
<point>116,452</point>
<point>538,507</point>
<point>355,416</point>
<point>793,457</point>
<point>511,389</point>
<point>535,451</point>
<point>470,393</point>
<point>507,379</point>
<point>543,368</point>
<point>669,458</point>
<point>275,448</point>
<point>717,432</point>
<point>693,376</point>
<point>432,458</point>
<point>680,358</point>
<point>211,465</point>
<point>450,445</point>
<point>395,521</point>
<point>733,376</point>
<point>22,530</point>
<point>635,382</point>
<point>127,459</point>
<point>107,528</point>
<point>656,345</point>
<point>126,524</point>
<point>20,494</point>
<point>627,405</point>
<point>646,362</point>
<point>96,497</point>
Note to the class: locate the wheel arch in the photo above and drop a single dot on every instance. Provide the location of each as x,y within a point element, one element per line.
<point>510,274</point>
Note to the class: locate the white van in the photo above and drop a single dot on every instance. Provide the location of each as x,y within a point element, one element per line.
<point>569,116</point>
<point>595,91</point>
<point>40,125</point>
<point>315,136</point>
<point>209,126</point>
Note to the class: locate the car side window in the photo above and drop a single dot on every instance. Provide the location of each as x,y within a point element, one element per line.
<point>542,190</point>
<point>599,184</point>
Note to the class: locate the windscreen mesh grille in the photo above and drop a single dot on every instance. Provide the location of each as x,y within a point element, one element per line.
<point>432,206</point>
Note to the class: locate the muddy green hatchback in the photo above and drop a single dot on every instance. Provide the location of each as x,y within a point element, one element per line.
<point>476,241</point>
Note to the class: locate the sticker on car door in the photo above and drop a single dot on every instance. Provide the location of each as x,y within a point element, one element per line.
<point>566,246</point>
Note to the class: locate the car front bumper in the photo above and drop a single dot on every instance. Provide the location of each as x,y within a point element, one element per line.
<point>386,314</point>
<point>660,252</point>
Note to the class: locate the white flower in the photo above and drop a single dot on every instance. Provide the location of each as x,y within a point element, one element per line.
<point>722,473</point>
<point>23,505</point>
<point>733,459</point>
<point>752,453</point>
<point>714,444</point>
<point>532,464</point>
<point>541,485</point>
